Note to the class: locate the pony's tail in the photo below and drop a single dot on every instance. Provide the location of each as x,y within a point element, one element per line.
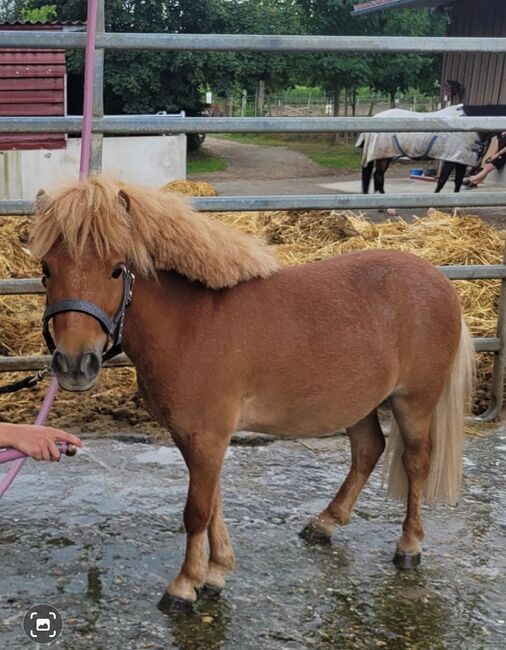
<point>446,433</point>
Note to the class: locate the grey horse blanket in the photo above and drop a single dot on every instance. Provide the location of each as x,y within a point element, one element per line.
<point>461,147</point>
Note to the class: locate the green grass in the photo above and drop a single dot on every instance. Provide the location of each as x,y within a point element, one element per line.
<point>203,161</point>
<point>318,148</point>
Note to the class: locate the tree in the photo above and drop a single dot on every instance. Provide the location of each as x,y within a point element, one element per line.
<point>261,73</point>
<point>11,10</point>
<point>149,81</point>
<point>399,72</point>
<point>384,73</point>
<point>336,71</point>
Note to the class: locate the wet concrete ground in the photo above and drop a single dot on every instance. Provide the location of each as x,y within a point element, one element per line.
<point>101,543</point>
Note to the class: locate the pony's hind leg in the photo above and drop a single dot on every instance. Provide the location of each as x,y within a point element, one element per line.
<point>221,556</point>
<point>414,422</point>
<point>367,444</point>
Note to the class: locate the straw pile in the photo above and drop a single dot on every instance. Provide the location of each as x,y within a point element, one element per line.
<point>190,188</point>
<point>299,237</point>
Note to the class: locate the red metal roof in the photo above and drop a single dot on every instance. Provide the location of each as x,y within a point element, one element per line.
<point>32,83</point>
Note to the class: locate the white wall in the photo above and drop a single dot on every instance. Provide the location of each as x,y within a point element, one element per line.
<point>143,160</point>
<point>498,178</point>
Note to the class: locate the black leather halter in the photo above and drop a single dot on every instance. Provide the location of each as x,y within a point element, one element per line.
<point>113,327</point>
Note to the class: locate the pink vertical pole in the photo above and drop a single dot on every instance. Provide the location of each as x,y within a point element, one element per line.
<point>84,167</point>
<point>89,61</point>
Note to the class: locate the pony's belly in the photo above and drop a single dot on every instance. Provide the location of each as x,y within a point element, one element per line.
<point>298,419</point>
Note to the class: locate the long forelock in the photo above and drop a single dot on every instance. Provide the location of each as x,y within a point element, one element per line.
<point>80,215</point>
<point>156,231</point>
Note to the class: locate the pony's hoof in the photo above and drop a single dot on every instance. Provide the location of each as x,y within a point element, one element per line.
<point>210,591</point>
<point>315,535</point>
<point>404,561</point>
<point>169,604</point>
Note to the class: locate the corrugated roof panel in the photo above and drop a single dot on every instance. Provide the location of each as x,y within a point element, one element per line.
<point>28,71</point>
<point>32,83</point>
<point>30,141</point>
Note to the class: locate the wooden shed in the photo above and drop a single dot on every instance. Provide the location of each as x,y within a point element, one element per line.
<point>482,76</point>
<point>32,83</point>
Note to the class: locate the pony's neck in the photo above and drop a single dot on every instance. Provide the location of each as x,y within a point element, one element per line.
<point>163,308</point>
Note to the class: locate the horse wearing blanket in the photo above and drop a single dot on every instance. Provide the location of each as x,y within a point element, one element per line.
<point>457,150</point>
<point>223,339</point>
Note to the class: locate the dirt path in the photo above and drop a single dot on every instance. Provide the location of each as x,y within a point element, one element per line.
<point>258,162</point>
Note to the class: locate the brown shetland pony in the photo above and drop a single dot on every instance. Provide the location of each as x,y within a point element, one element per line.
<point>224,339</point>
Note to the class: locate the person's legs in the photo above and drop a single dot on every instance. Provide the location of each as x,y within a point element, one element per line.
<point>479,178</point>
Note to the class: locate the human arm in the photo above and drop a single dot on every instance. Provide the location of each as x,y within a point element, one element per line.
<point>498,152</point>
<point>35,441</point>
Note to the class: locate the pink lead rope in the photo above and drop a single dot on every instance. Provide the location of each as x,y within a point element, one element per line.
<point>84,168</point>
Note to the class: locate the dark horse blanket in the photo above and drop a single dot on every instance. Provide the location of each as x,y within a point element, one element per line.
<point>458,147</point>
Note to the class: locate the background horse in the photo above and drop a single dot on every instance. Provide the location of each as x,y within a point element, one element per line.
<point>457,150</point>
<point>223,339</point>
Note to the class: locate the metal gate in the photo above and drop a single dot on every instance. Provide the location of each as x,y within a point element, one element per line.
<point>157,124</point>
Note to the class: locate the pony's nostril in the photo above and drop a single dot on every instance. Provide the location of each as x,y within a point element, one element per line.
<point>59,364</point>
<point>89,365</point>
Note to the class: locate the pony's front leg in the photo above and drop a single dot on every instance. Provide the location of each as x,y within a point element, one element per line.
<point>221,557</point>
<point>204,456</point>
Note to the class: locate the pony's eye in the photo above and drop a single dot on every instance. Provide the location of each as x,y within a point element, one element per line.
<point>118,270</point>
<point>45,270</point>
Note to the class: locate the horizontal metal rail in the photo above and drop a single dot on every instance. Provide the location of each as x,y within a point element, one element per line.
<point>13,287</point>
<point>252,42</point>
<point>39,362</point>
<point>487,345</point>
<point>346,201</point>
<point>475,272</point>
<point>166,124</point>
<point>317,202</point>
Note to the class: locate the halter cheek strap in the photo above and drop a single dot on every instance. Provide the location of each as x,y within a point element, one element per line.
<point>113,327</point>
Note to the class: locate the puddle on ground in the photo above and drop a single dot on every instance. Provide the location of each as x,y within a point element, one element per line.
<point>101,543</point>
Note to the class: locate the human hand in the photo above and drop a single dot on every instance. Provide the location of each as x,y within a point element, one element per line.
<point>36,441</point>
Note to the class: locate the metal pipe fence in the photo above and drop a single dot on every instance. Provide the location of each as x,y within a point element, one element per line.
<point>253,42</point>
<point>317,202</point>
<point>161,124</point>
<point>165,124</point>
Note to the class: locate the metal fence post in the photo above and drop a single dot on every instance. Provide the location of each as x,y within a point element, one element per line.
<point>497,387</point>
<point>97,139</point>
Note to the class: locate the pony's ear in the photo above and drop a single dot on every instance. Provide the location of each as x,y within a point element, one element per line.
<point>124,200</point>
<point>42,201</point>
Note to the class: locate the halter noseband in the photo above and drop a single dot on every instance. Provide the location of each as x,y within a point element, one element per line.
<point>113,327</point>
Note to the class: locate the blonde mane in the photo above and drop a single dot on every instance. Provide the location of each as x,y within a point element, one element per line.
<point>155,230</point>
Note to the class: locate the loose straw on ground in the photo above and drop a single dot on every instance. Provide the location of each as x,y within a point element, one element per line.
<point>299,237</point>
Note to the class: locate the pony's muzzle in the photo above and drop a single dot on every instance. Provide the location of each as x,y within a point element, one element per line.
<point>76,373</point>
